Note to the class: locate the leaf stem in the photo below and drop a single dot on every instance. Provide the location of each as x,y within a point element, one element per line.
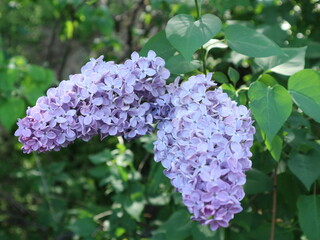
<point>198,10</point>
<point>242,89</point>
<point>274,204</point>
<point>202,54</point>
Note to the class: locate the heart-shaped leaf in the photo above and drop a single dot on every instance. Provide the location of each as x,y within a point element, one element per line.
<point>306,167</point>
<point>188,35</point>
<point>271,106</point>
<point>248,42</point>
<point>304,87</point>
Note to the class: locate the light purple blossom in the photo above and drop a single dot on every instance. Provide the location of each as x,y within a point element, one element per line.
<point>105,98</point>
<point>204,142</point>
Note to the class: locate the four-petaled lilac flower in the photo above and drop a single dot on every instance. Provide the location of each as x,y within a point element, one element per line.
<point>204,142</point>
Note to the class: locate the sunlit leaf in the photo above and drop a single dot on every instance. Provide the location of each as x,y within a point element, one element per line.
<point>248,42</point>
<point>291,62</point>
<point>188,35</point>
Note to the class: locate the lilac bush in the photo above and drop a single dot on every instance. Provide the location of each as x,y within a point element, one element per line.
<point>204,143</point>
<point>105,98</point>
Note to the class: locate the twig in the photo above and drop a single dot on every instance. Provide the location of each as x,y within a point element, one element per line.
<point>101,215</point>
<point>274,204</point>
<point>142,163</point>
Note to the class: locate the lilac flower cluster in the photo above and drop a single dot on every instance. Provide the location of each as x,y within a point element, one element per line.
<point>204,144</point>
<point>105,98</point>
<point>204,138</point>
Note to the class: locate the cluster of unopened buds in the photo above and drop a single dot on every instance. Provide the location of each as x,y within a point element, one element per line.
<point>204,138</point>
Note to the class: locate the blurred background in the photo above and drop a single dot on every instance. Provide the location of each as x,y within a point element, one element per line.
<point>113,189</point>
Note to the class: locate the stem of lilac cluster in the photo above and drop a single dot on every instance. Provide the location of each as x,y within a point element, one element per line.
<point>274,204</point>
<point>202,55</point>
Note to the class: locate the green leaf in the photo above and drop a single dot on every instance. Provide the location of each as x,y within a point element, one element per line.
<point>37,81</point>
<point>188,35</point>
<point>177,227</point>
<point>200,232</point>
<point>306,167</point>
<point>233,75</point>
<point>288,196</point>
<point>267,80</point>
<point>275,148</point>
<point>83,227</point>
<point>248,42</point>
<point>309,216</point>
<point>220,77</point>
<point>271,107</point>
<point>2,58</point>
<point>134,208</point>
<point>160,44</point>
<point>224,5</point>
<point>99,171</point>
<point>257,182</point>
<point>230,90</point>
<point>101,157</point>
<point>288,64</point>
<point>133,201</point>
<point>10,110</point>
<point>274,32</point>
<point>120,231</point>
<point>68,29</point>
<point>8,79</point>
<point>313,50</point>
<point>304,87</point>
<point>214,43</point>
<point>179,65</point>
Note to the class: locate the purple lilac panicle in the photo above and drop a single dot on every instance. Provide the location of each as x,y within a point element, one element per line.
<point>204,143</point>
<point>105,98</point>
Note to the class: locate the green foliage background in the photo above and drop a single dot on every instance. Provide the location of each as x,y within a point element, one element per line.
<point>112,189</point>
